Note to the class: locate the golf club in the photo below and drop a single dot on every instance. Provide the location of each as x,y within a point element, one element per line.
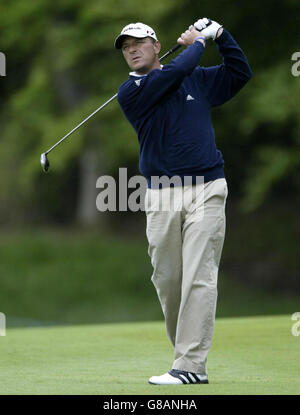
<point>44,159</point>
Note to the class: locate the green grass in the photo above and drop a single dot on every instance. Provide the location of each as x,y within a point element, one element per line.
<point>256,355</point>
<point>74,277</point>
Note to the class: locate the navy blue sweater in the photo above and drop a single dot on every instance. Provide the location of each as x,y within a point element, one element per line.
<point>169,109</point>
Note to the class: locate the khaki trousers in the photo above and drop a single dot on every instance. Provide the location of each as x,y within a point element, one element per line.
<point>185,246</point>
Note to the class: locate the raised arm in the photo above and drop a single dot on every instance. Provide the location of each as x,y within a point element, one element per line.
<point>223,81</point>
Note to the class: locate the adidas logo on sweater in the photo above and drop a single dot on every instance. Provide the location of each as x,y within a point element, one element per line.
<point>189,98</point>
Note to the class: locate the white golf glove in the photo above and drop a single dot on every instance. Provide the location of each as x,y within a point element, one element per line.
<point>209,31</point>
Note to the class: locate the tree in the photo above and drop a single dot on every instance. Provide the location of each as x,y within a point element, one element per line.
<point>61,65</point>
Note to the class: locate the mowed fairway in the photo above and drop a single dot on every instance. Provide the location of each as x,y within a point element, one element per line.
<point>256,355</point>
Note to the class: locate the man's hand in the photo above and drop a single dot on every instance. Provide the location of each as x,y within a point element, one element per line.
<point>209,32</point>
<point>189,36</point>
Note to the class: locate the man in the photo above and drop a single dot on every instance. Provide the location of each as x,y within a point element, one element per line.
<point>169,108</point>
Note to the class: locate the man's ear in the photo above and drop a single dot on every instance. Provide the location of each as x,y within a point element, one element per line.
<point>157,47</point>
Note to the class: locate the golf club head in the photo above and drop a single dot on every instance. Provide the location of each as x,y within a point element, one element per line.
<point>44,162</point>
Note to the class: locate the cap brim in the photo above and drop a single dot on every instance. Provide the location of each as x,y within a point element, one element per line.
<point>118,41</point>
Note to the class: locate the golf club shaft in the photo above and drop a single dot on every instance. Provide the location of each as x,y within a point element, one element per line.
<point>172,50</point>
<point>82,122</point>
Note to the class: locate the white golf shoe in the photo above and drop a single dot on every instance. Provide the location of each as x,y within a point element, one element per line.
<point>178,377</point>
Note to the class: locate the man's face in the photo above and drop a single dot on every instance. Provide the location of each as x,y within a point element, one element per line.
<point>141,54</point>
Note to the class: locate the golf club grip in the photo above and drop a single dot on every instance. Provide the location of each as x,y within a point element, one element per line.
<point>174,48</point>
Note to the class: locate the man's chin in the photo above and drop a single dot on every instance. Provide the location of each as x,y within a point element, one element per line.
<point>137,67</point>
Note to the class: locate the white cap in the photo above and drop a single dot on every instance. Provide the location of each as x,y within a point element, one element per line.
<point>135,30</point>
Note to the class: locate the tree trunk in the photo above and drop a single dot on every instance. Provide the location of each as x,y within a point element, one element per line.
<point>87,213</point>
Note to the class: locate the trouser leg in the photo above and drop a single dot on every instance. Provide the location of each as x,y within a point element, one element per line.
<point>201,252</point>
<point>185,253</point>
<point>165,250</point>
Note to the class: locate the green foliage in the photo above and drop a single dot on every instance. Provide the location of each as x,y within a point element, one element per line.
<point>79,277</point>
<point>272,164</point>
<point>70,69</point>
<point>61,66</point>
<point>273,103</point>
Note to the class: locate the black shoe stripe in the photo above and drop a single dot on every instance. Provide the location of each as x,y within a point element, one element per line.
<point>195,377</point>
<point>190,377</point>
<point>177,374</point>
<point>182,379</point>
<point>187,375</point>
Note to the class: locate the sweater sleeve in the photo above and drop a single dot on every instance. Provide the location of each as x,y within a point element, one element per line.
<point>223,81</point>
<point>138,95</point>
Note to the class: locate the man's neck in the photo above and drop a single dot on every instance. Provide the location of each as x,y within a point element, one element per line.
<point>143,73</point>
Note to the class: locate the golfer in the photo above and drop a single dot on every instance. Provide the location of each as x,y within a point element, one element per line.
<point>169,108</point>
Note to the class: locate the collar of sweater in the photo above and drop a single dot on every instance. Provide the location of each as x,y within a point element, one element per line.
<point>140,76</point>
